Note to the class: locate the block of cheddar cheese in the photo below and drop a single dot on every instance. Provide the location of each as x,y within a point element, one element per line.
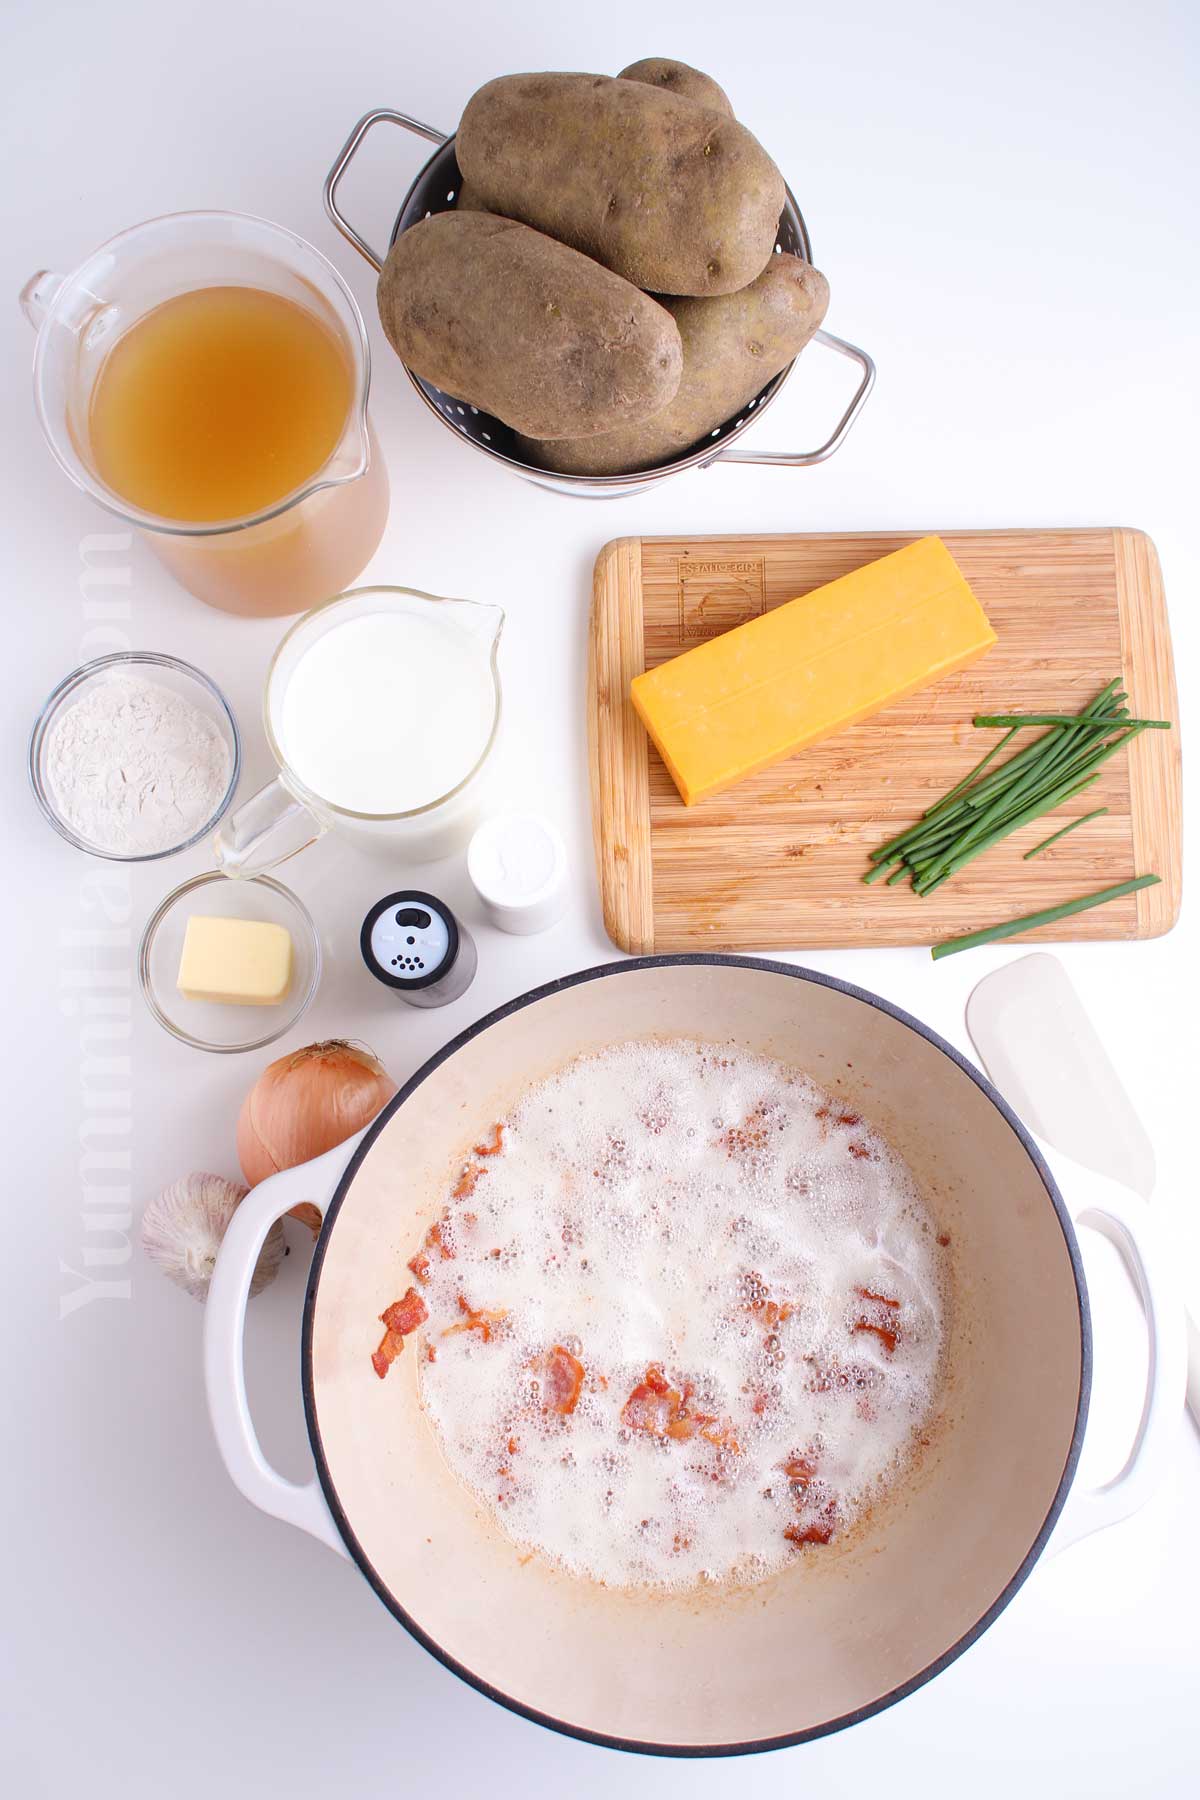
<point>809,668</point>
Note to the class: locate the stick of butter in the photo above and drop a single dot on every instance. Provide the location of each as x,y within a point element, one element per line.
<point>241,962</point>
<point>808,668</point>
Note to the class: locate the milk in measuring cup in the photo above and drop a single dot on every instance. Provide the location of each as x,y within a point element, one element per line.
<point>387,712</point>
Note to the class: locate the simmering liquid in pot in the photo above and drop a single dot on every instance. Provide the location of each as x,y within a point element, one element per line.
<point>683,1317</point>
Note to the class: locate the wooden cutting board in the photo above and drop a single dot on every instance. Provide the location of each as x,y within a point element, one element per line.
<point>776,863</point>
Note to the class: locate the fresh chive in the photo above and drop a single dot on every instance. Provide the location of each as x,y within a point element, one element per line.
<point>966,852</point>
<point>1018,721</point>
<point>1062,832</point>
<point>991,756</point>
<point>990,803</point>
<point>1050,916</point>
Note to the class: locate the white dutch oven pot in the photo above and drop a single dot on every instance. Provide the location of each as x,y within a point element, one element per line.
<point>823,1643</point>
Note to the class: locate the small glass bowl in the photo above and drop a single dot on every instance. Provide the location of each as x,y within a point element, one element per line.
<point>211,1024</point>
<point>169,672</point>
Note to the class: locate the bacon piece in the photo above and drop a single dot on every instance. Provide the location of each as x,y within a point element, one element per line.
<point>722,1437</point>
<point>861,1151</point>
<point>888,1334</point>
<point>849,1118</point>
<point>657,1408</point>
<point>887,1337</point>
<point>399,1320</point>
<point>818,1533</point>
<point>561,1378</point>
<point>882,1299</point>
<point>770,1312</point>
<point>404,1315</point>
<point>467,1182</point>
<point>476,1319</point>
<point>801,1468</point>
<point>433,1240</point>
<point>492,1145</point>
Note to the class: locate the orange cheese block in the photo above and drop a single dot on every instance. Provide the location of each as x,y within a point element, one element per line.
<point>807,669</point>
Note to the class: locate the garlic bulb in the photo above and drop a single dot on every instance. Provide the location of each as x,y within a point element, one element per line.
<point>183,1228</point>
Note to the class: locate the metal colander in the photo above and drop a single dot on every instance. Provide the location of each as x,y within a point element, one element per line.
<point>436,190</point>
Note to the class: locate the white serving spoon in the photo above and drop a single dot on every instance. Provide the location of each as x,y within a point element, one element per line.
<point>1040,1048</point>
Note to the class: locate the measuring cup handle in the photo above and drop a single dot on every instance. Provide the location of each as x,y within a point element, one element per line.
<point>346,156</point>
<point>264,831</point>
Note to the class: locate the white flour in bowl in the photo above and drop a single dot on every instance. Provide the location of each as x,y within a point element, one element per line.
<point>684,1317</point>
<point>135,768</point>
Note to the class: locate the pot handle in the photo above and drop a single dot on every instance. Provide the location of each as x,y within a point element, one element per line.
<point>796,459</point>
<point>298,1503</point>
<point>345,157</point>
<point>1127,1222</point>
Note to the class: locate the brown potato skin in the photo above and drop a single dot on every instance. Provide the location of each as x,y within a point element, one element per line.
<point>520,326</point>
<point>655,71</point>
<point>732,346</point>
<point>676,197</point>
<point>679,78</point>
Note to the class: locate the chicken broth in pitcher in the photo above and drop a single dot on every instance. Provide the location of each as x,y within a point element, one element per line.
<point>218,403</point>
<point>681,1317</point>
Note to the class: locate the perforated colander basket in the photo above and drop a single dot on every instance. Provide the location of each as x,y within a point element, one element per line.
<point>436,190</point>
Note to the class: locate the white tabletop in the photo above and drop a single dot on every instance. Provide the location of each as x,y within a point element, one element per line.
<point>1003,199</point>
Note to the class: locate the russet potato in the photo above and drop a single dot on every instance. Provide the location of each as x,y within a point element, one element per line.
<point>679,78</point>
<point>675,196</point>
<point>521,326</point>
<point>732,346</point>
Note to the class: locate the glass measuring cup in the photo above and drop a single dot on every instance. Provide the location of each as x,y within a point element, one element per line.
<point>302,548</point>
<point>452,682</point>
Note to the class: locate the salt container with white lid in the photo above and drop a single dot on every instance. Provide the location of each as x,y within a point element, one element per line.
<point>518,866</point>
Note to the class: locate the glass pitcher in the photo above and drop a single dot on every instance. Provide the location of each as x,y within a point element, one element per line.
<point>362,717</point>
<point>304,547</point>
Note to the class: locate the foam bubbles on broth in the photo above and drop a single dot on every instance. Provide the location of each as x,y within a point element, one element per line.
<point>744,1277</point>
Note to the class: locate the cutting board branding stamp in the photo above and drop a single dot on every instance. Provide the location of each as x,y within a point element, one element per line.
<point>716,593</point>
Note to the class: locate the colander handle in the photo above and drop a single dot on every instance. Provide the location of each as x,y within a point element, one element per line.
<point>796,459</point>
<point>346,156</point>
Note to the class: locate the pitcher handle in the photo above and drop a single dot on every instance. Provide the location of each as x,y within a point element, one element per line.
<point>37,296</point>
<point>346,156</point>
<point>265,831</point>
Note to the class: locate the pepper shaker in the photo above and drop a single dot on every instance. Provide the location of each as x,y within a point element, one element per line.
<point>412,942</point>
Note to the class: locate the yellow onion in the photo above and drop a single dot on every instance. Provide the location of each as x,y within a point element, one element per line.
<point>304,1104</point>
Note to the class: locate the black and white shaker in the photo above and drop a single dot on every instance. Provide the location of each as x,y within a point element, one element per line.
<point>413,943</point>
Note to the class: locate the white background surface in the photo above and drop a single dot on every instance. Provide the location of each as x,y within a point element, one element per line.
<point>1004,201</point>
